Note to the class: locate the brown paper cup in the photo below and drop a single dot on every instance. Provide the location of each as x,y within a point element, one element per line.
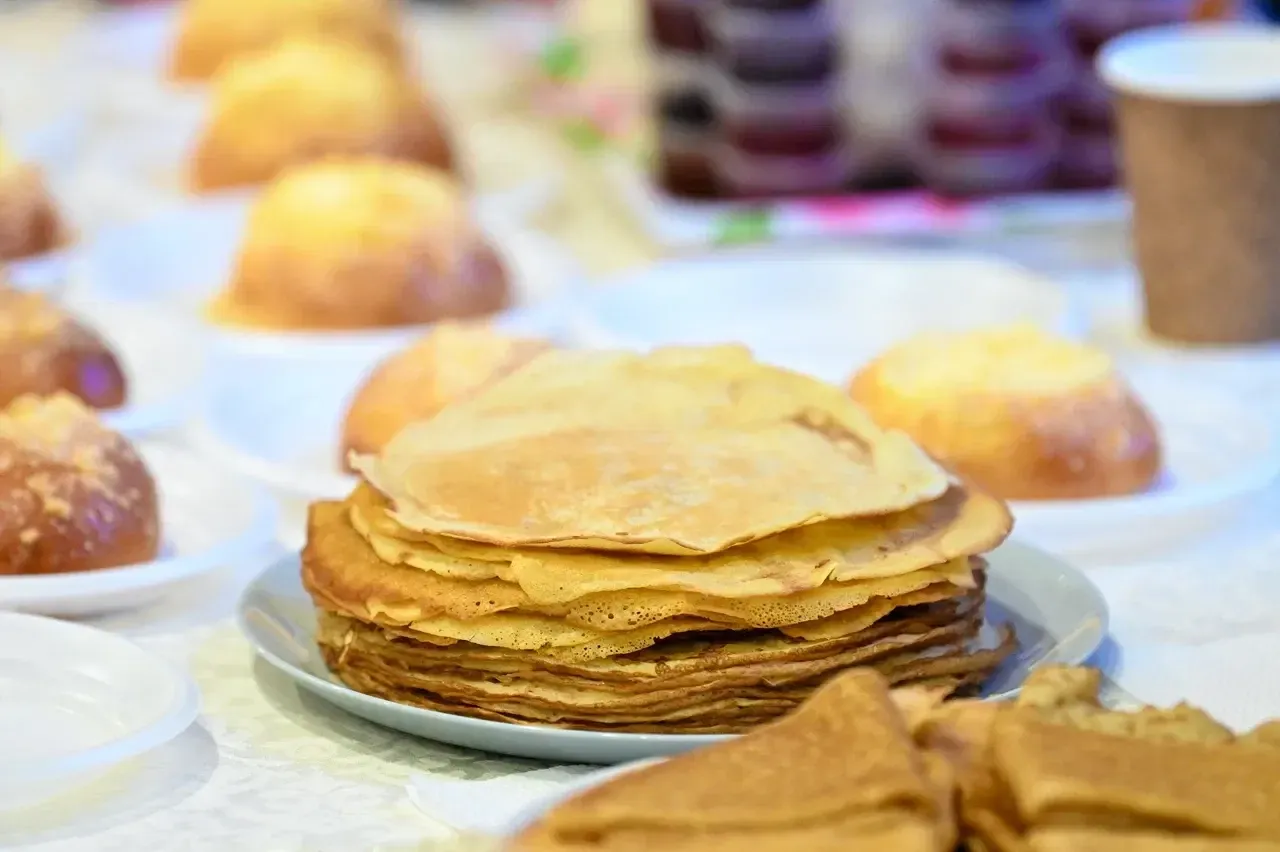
<point>1199,117</point>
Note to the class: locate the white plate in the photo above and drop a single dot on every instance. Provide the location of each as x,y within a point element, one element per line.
<point>164,358</point>
<point>1059,615</point>
<point>823,309</point>
<point>1220,452</point>
<point>279,420</point>
<point>210,518</point>
<point>531,813</point>
<point>180,260</point>
<point>75,701</point>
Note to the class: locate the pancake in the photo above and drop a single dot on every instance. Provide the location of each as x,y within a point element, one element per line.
<point>959,523</point>
<point>679,452</point>
<point>340,567</point>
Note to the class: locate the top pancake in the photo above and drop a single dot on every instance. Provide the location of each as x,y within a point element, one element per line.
<point>681,451</point>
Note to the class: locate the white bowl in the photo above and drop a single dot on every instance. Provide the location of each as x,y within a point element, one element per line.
<point>210,518</point>
<point>180,260</point>
<point>823,309</point>
<point>75,701</point>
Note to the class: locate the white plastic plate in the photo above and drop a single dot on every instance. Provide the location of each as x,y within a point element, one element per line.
<point>75,701</point>
<point>181,259</point>
<point>164,358</point>
<point>210,517</point>
<point>1220,452</point>
<point>823,309</point>
<point>1059,615</point>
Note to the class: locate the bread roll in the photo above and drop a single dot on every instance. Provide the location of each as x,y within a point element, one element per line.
<point>74,496</point>
<point>44,350</point>
<point>454,361</point>
<point>1020,414</point>
<point>361,243</point>
<point>30,223</point>
<point>304,99</point>
<point>210,32</point>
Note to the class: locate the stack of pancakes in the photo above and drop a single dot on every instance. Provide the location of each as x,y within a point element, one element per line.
<point>684,541</point>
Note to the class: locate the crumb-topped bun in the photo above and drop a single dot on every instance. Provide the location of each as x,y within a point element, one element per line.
<point>43,350</point>
<point>1021,414</point>
<point>306,98</point>
<point>30,223</point>
<point>74,495</point>
<point>454,361</point>
<point>361,243</point>
<point>210,32</point>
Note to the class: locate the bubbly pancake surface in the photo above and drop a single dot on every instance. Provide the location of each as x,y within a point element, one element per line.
<point>681,452</point>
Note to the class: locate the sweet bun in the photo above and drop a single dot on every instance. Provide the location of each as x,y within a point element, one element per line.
<point>361,243</point>
<point>30,223</point>
<point>1019,413</point>
<point>210,32</point>
<point>44,350</point>
<point>454,361</point>
<point>74,496</point>
<point>307,98</point>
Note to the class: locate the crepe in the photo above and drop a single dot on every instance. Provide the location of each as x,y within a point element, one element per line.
<point>958,523</point>
<point>740,795</point>
<point>859,766</point>
<point>680,452</point>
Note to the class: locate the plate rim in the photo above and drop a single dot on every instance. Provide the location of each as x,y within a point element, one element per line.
<point>181,712</point>
<point>35,591</point>
<point>587,740</point>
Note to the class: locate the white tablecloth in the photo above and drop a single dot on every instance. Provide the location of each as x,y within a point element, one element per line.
<point>268,767</point>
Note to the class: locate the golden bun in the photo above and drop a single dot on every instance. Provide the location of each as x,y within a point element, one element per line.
<point>74,495</point>
<point>44,350</point>
<point>30,222</point>
<point>1020,414</point>
<point>354,243</point>
<point>452,362</point>
<point>307,98</point>
<point>210,32</point>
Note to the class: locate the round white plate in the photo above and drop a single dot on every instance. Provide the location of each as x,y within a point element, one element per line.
<point>164,358</point>
<point>1220,452</point>
<point>530,813</point>
<point>1060,617</point>
<point>822,309</point>
<point>75,701</point>
<point>180,260</point>
<point>279,420</point>
<point>210,518</point>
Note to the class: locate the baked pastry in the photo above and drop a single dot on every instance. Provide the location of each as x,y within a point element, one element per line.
<point>361,243</point>
<point>454,361</point>
<point>30,223</point>
<point>210,32</point>
<point>1020,413</point>
<point>306,98</point>
<point>74,495</point>
<point>43,350</point>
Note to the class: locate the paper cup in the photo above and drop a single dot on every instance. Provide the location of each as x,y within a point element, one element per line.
<point>1199,119</point>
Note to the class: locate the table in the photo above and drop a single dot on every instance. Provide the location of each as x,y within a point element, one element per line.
<point>270,768</point>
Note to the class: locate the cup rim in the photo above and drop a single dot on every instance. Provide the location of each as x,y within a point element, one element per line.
<point>1155,62</point>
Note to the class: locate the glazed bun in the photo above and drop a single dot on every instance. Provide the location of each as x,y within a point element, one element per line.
<point>1020,414</point>
<point>361,243</point>
<point>210,32</point>
<point>44,350</point>
<point>307,98</point>
<point>452,362</point>
<point>74,495</point>
<point>30,223</point>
